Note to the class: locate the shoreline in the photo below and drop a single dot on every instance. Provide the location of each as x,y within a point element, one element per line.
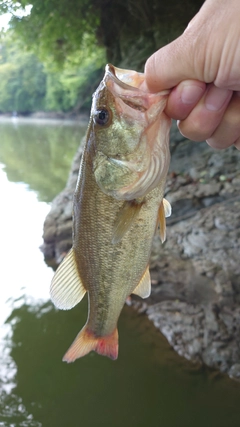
<point>43,118</point>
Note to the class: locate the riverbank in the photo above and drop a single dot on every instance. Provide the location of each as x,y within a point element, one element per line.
<point>42,117</point>
<point>195,300</point>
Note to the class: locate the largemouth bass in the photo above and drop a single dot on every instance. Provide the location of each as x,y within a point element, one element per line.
<point>118,204</point>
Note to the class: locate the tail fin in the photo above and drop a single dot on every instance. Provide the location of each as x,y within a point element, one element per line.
<point>85,342</point>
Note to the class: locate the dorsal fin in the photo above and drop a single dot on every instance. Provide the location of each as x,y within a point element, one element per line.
<point>143,289</point>
<point>124,220</point>
<point>66,288</point>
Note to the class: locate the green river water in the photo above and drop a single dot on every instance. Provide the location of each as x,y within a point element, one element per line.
<point>149,385</point>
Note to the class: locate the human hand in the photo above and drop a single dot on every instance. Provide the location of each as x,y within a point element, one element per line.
<point>203,68</point>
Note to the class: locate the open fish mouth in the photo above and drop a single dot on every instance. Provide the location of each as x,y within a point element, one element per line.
<point>127,79</point>
<point>131,82</point>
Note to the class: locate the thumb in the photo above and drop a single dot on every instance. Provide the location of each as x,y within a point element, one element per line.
<point>170,65</point>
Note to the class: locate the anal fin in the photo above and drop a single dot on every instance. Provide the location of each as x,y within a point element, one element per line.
<point>125,218</point>
<point>143,289</point>
<point>66,288</point>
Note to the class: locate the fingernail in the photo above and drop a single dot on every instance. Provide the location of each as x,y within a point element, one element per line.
<point>216,98</point>
<point>191,93</point>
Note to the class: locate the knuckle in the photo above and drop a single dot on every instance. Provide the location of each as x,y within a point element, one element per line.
<point>195,129</point>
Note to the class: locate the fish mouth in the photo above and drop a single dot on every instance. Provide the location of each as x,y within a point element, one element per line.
<point>128,86</point>
<point>126,79</point>
<point>125,86</point>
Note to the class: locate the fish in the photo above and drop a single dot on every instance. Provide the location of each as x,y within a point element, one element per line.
<point>118,206</point>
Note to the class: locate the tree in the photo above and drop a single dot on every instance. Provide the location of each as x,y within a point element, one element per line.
<point>71,87</point>
<point>27,85</point>
<point>22,78</point>
<point>59,28</point>
<point>75,38</point>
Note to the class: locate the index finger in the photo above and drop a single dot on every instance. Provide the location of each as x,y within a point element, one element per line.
<point>170,65</point>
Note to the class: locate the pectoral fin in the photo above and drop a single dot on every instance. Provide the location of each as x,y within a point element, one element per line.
<point>66,289</point>
<point>143,289</point>
<point>124,220</point>
<point>165,210</point>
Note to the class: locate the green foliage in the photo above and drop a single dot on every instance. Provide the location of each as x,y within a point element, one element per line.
<point>72,87</point>
<point>59,28</point>
<point>26,85</point>
<point>74,39</point>
<point>22,79</point>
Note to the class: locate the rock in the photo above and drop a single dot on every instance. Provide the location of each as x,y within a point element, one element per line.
<point>234,371</point>
<point>195,300</point>
<point>57,228</point>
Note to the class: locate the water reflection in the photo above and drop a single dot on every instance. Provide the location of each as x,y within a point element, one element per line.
<point>21,261</point>
<point>39,154</point>
<point>20,229</point>
<point>149,385</point>
<point>33,157</point>
<point>7,366</point>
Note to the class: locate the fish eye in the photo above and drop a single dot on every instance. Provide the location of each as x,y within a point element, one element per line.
<point>101,117</point>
